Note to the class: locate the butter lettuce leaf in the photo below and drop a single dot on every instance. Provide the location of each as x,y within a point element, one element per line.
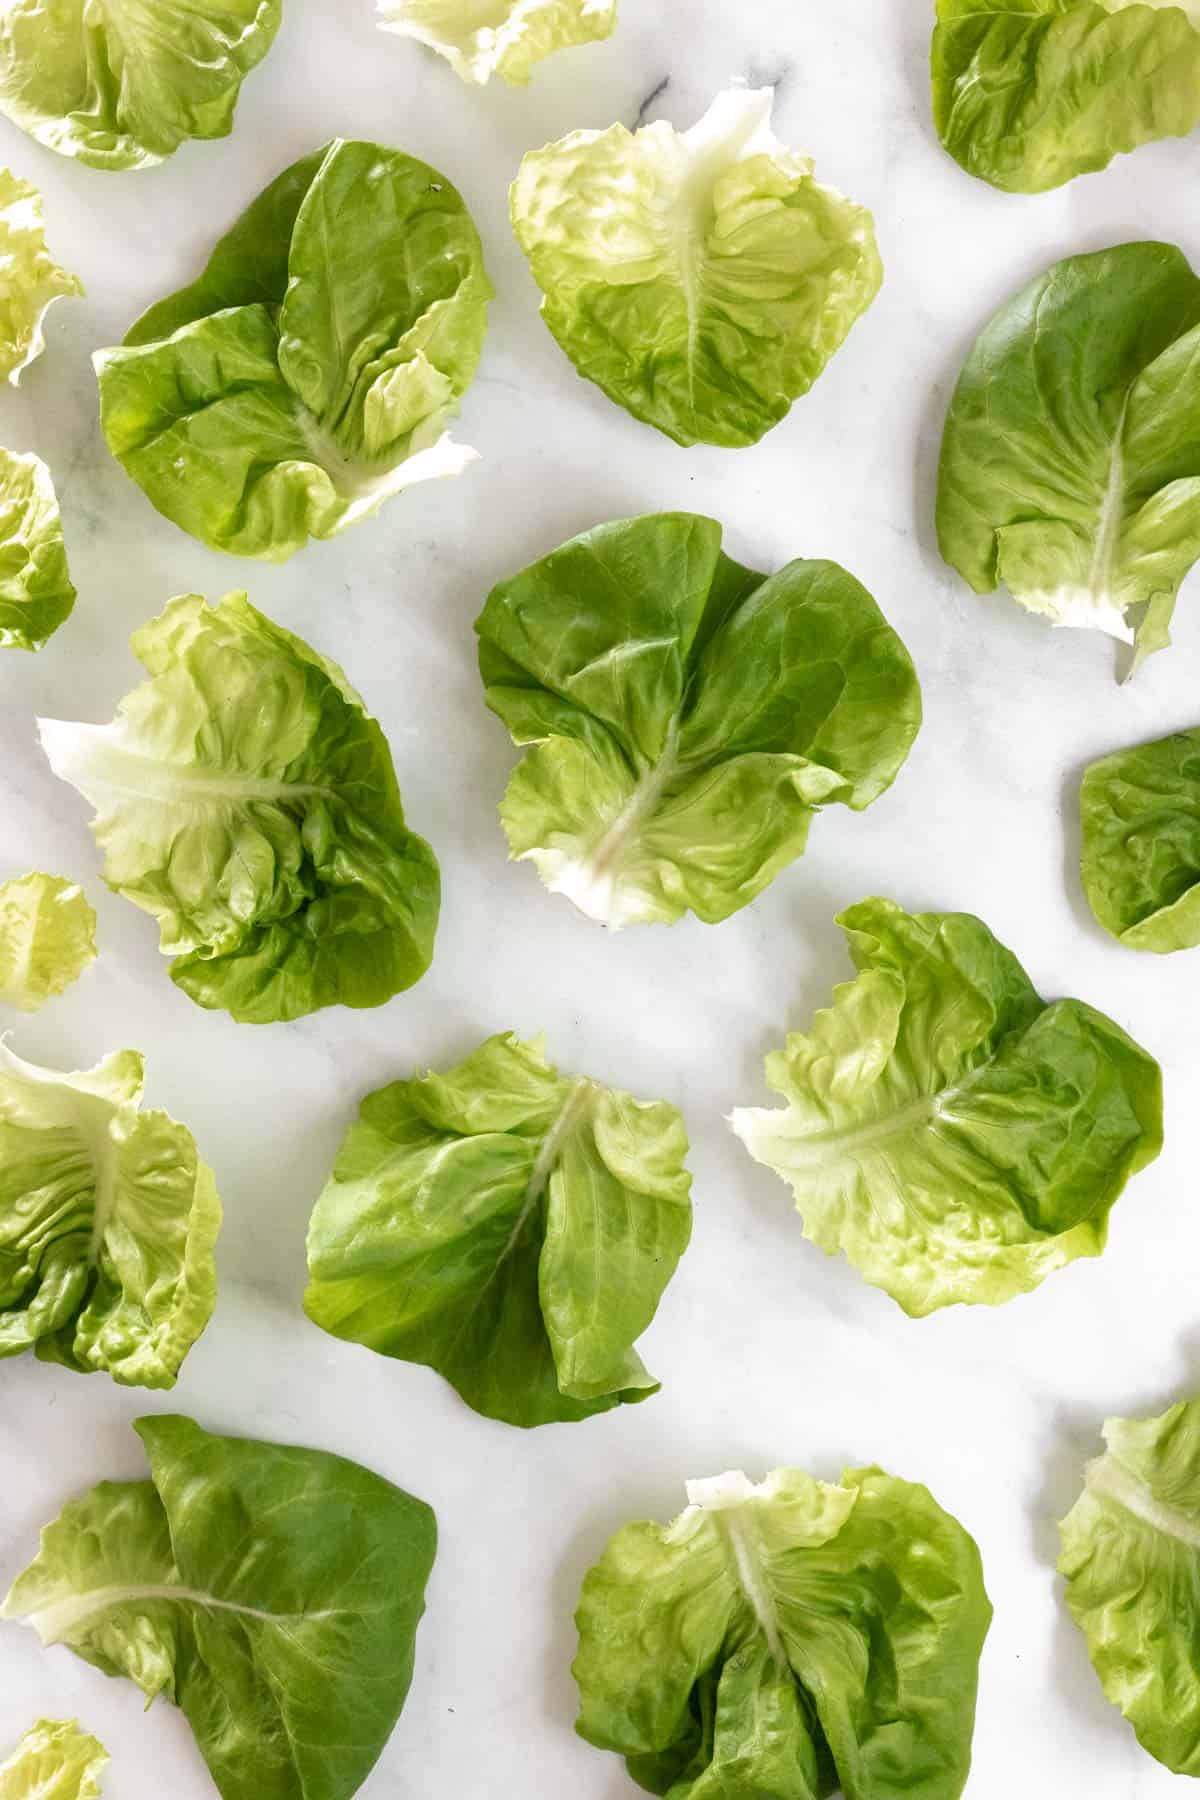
<point>108,1219</point>
<point>1070,468</point>
<point>47,938</point>
<point>55,1760</point>
<point>272,1593</point>
<point>36,591</point>
<point>1140,812</point>
<point>482,38</point>
<point>1131,1559</point>
<point>787,1639</point>
<point>944,1128</point>
<point>508,1226</point>
<point>121,87</point>
<point>1028,94</point>
<point>312,369</point>
<point>703,279</point>
<point>246,799</point>
<point>688,716</point>
<point>32,278</point>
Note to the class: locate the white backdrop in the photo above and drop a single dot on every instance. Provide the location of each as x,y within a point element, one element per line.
<point>768,1353</point>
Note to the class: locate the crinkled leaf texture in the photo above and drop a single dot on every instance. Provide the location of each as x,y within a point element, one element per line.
<point>703,279</point>
<point>943,1127</point>
<point>273,1593</point>
<point>108,1220</point>
<point>122,86</point>
<point>32,280</point>
<point>55,1760</point>
<point>1029,93</point>
<point>785,1640</point>
<point>1131,1558</point>
<point>1141,843</point>
<point>47,938</point>
<point>36,591</point>
<point>1070,467</point>
<point>508,1226</point>
<point>312,369</point>
<point>688,716</point>
<point>482,38</point>
<point>246,799</point>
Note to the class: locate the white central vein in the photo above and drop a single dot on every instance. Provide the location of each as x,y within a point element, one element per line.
<point>57,1622</point>
<point>745,1541</point>
<point>1111,1481</point>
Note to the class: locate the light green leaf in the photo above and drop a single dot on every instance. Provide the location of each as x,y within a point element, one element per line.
<point>1141,843</point>
<point>108,1219</point>
<point>122,86</point>
<point>1070,466</point>
<point>482,38</point>
<point>785,1640</point>
<point>1029,93</point>
<point>1131,1558</point>
<point>689,716</point>
<point>32,279</point>
<point>312,370</point>
<point>703,279</point>
<point>47,938</point>
<point>36,591</point>
<point>944,1128</point>
<point>508,1226</point>
<point>55,1760</point>
<point>272,1593</point>
<point>247,800</point>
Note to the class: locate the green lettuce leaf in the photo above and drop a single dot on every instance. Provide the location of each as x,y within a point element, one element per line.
<point>121,87</point>
<point>508,1226</point>
<point>1141,843</point>
<point>1131,1558</point>
<point>32,278</point>
<point>482,38</point>
<point>944,1128</point>
<point>688,716</point>
<point>108,1219</point>
<point>312,369</point>
<point>272,1593</point>
<point>703,279</point>
<point>246,800</point>
<point>1070,466</point>
<point>1028,94</point>
<point>47,938</point>
<point>55,1760</point>
<point>784,1640</point>
<point>36,591</point>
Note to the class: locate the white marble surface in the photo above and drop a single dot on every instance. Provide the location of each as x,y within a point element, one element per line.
<point>768,1353</point>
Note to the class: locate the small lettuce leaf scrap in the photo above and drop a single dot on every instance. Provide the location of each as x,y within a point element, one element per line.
<point>688,716</point>
<point>1141,843</point>
<point>703,279</point>
<point>311,371</point>
<point>47,938</point>
<point>108,1220</point>
<point>55,1760</point>
<point>943,1127</point>
<point>1070,468</point>
<point>122,86</point>
<point>30,279</point>
<point>247,800</point>
<point>787,1639</point>
<point>1131,1558</point>
<point>272,1593</point>
<point>508,1226</point>
<point>1028,94</point>
<point>482,38</point>
<point>36,591</point>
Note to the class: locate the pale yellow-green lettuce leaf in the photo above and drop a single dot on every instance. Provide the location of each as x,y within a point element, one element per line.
<point>482,38</point>
<point>47,938</point>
